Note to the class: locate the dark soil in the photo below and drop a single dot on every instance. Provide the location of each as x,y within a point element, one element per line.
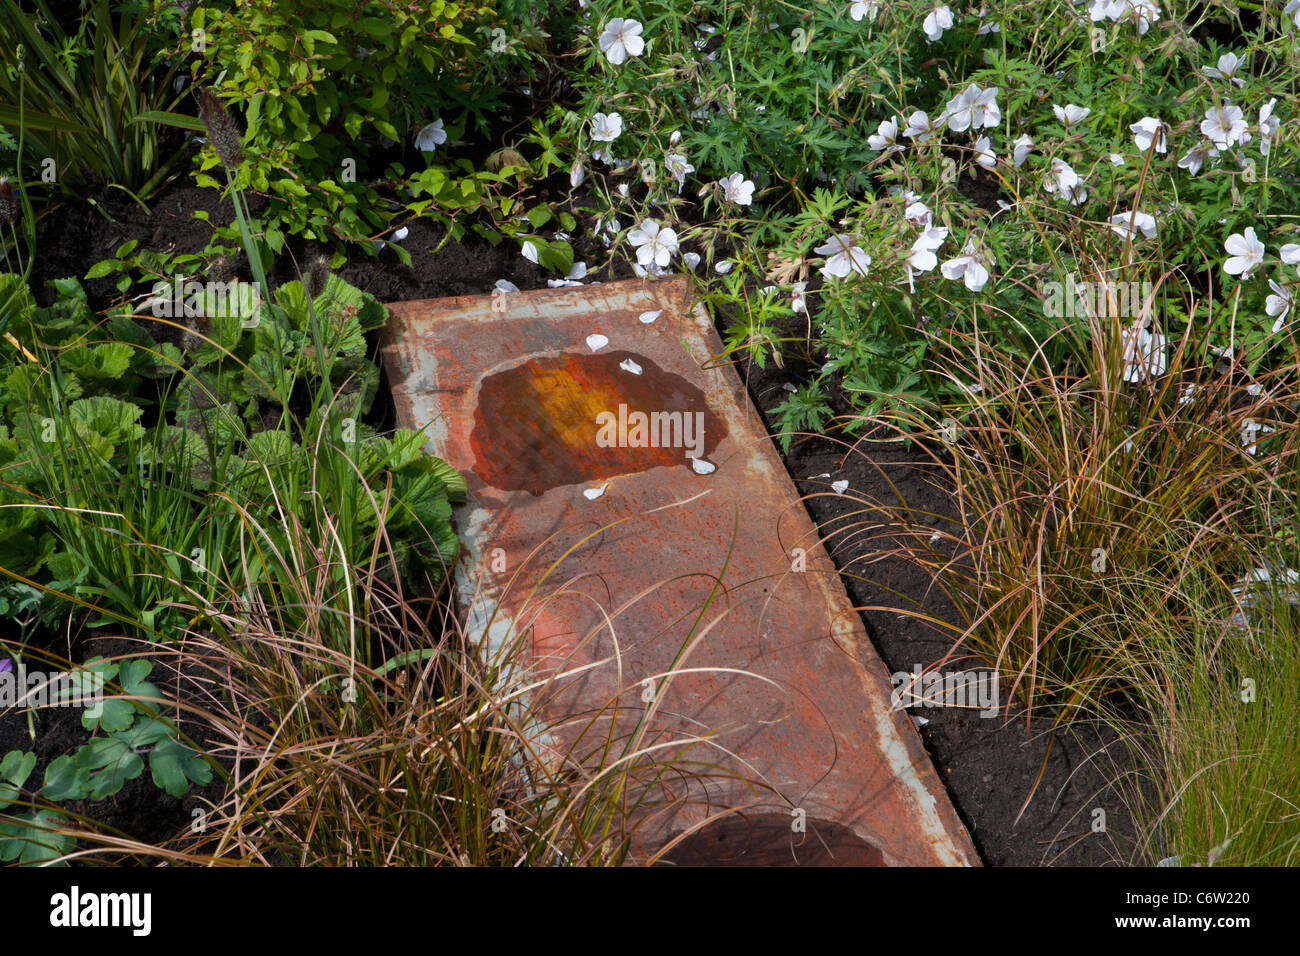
<point>992,767</point>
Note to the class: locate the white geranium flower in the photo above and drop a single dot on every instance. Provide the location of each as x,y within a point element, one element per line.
<point>1069,115</point>
<point>621,39</point>
<point>1099,10</point>
<point>678,168</point>
<point>1225,126</point>
<point>973,108</point>
<point>1020,150</point>
<point>968,268</point>
<point>1226,70</point>
<point>936,21</point>
<point>606,127</point>
<point>1115,159</point>
<point>1246,253</point>
<point>1142,13</point>
<point>1195,157</point>
<point>885,135</point>
<point>576,174</point>
<point>843,257</point>
<point>1126,224</point>
<point>653,243</point>
<point>1148,130</point>
<point>984,153</point>
<point>1278,305</point>
<point>1268,125</point>
<point>918,214</point>
<point>1292,10</point>
<point>1144,354</point>
<point>1065,182</point>
<point>922,257</point>
<point>865,8</point>
<point>1290,255</point>
<point>920,127</point>
<point>736,188</point>
<point>431,137</point>
<point>797,301</point>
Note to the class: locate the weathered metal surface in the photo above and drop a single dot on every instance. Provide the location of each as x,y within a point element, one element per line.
<point>675,553</point>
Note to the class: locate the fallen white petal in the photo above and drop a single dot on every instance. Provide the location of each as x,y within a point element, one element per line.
<point>703,467</point>
<point>839,487</point>
<point>596,341</point>
<point>628,365</point>
<point>647,317</point>
<point>592,494</point>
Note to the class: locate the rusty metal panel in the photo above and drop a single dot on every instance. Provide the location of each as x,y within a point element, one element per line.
<point>624,539</point>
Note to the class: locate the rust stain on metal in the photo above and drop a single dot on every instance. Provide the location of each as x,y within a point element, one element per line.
<point>538,424</point>
<point>631,547</point>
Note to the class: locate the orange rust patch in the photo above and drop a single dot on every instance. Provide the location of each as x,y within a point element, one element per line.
<point>539,424</point>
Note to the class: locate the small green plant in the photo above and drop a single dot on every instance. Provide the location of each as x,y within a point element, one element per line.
<point>127,728</point>
<point>32,836</point>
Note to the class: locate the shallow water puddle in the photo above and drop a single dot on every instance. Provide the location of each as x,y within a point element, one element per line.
<point>629,517</point>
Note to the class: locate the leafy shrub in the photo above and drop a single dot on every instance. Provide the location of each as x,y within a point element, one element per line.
<point>327,91</point>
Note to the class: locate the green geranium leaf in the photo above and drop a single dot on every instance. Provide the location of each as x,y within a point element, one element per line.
<point>174,767</point>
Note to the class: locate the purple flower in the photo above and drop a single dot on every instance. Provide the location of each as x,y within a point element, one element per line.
<point>6,665</point>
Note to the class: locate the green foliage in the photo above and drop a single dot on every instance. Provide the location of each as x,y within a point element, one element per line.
<point>81,99</point>
<point>791,99</point>
<point>131,732</point>
<point>326,93</point>
<point>28,837</point>
<point>250,419</point>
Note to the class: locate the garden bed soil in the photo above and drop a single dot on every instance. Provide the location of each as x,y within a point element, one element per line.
<point>1025,802</point>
